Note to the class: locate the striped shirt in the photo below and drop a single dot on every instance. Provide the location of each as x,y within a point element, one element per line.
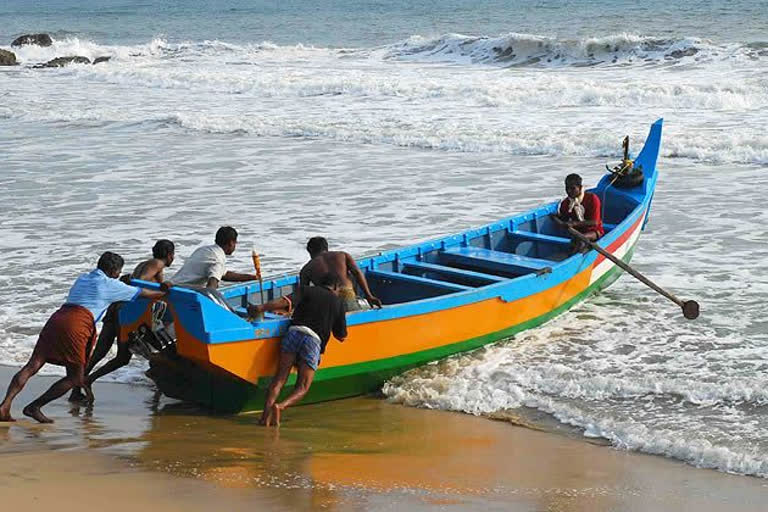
<point>95,291</point>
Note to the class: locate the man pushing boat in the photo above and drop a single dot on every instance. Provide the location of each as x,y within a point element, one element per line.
<point>68,335</point>
<point>152,270</point>
<point>207,266</point>
<point>318,313</point>
<point>339,265</point>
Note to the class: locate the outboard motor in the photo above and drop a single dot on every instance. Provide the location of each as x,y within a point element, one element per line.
<point>147,341</point>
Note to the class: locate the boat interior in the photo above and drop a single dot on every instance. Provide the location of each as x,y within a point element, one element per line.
<point>530,243</point>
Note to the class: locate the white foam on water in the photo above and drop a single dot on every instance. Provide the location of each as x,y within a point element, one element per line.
<point>365,96</point>
<point>415,139</point>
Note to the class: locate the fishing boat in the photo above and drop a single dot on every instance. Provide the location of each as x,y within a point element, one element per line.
<point>441,297</point>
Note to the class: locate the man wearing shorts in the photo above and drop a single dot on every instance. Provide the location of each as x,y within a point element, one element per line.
<point>319,313</point>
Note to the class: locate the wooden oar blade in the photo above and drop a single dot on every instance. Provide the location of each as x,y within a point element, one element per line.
<point>691,309</point>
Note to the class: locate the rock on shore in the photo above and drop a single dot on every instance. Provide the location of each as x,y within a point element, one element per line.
<point>7,58</point>
<point>37,39</point>
<point>59,62</point>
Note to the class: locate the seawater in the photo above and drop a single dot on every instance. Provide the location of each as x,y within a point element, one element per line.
<point>378,124</point>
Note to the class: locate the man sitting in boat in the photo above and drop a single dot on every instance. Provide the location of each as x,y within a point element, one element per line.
<point>163,254</point>
<point>581,210</point>
<point>339,265</point>
<point>207,266</point>
<point>67,337</point>
<point>319,313</point>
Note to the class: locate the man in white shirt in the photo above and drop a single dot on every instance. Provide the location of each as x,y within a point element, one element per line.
<point>207,266</point>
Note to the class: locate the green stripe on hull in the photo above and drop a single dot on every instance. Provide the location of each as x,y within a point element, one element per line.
<point>228,394</point>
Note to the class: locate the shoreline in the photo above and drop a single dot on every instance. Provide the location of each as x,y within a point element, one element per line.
<point>360,453</point>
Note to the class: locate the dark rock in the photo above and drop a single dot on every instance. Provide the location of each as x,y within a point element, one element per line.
<point>101,59</point>
<point>7,58</point>
<point>38,39</point>
<point>684,53</point>
<point>60,62</point>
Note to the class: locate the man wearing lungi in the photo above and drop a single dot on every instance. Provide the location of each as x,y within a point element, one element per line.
<point>67,338</point>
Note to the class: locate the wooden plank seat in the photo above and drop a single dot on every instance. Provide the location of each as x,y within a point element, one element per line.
<point>530,236</point>
<point>395,276</point>
<point>494,260</point>
<point>451,271</point>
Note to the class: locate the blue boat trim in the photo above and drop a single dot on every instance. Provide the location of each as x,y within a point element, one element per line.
<point>212,323</point>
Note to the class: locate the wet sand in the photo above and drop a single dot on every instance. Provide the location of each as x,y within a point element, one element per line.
<point>136,449</point>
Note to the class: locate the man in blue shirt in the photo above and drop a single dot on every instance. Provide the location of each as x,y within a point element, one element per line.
<point>67,338</point>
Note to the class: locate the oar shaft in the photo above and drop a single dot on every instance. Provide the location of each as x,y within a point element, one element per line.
<point>619,263</point>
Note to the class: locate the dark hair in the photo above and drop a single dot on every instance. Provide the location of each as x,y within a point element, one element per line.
<point>109,263</point>
<point>317,244</point>
<point>225,234</point>
<point>162,249</point>
<point>573,179</point>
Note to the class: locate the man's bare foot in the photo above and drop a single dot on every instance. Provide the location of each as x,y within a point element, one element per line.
<point>275,413</point>
<point>35,413</point>
<point>76,395</point>
<point>89,398</point>
<point>266,418</point>
<point>5,415</point>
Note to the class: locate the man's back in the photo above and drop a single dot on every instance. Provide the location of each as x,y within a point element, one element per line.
<point>322,311</point>
<point>149,270</point>
<point>329,263</point>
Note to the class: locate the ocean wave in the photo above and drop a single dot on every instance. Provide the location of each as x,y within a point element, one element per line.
<point>537,50</point>
<point>472,384</point>
<point>508,50</point>
<point>157,48</point>
<point>730,148</point>
<point>635,436</point>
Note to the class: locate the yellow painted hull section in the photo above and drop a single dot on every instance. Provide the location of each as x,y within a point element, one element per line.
<point>252,360</point>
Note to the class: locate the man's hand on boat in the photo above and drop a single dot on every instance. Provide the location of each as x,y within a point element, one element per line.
<point>375,302</point>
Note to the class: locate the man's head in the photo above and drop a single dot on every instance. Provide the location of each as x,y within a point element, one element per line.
<point>226,238</point>
<point>316,245</point>
<point>164,250</point>
<point>111,264</point>
<point>573,185</point>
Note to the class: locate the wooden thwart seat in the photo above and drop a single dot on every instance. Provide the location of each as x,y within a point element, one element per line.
<point>530,236</point>
<point>451,271</point>
<point>494,260</point>
<point>395,276</point>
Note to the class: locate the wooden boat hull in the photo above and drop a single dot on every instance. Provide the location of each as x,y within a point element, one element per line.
<point>216,363</point>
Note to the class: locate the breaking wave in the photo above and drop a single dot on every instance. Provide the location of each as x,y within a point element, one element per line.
<point>537,50</point>
<point>509,50</point>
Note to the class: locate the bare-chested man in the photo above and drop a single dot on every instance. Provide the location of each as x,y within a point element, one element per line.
<point>340,266</point>
<point>163,254</point>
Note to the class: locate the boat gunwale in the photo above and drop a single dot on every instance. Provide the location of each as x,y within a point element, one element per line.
<point>525,285</point>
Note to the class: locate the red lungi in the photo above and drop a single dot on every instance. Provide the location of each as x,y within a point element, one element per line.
<point>67,337</point>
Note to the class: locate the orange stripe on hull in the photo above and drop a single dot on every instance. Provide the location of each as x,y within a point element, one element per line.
<point>253,359</point>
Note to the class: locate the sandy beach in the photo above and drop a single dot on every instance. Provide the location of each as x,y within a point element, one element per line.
<point>135,449</point>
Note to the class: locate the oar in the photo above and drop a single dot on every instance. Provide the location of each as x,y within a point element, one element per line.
<point>257,267</point>
<point>690,307</point>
